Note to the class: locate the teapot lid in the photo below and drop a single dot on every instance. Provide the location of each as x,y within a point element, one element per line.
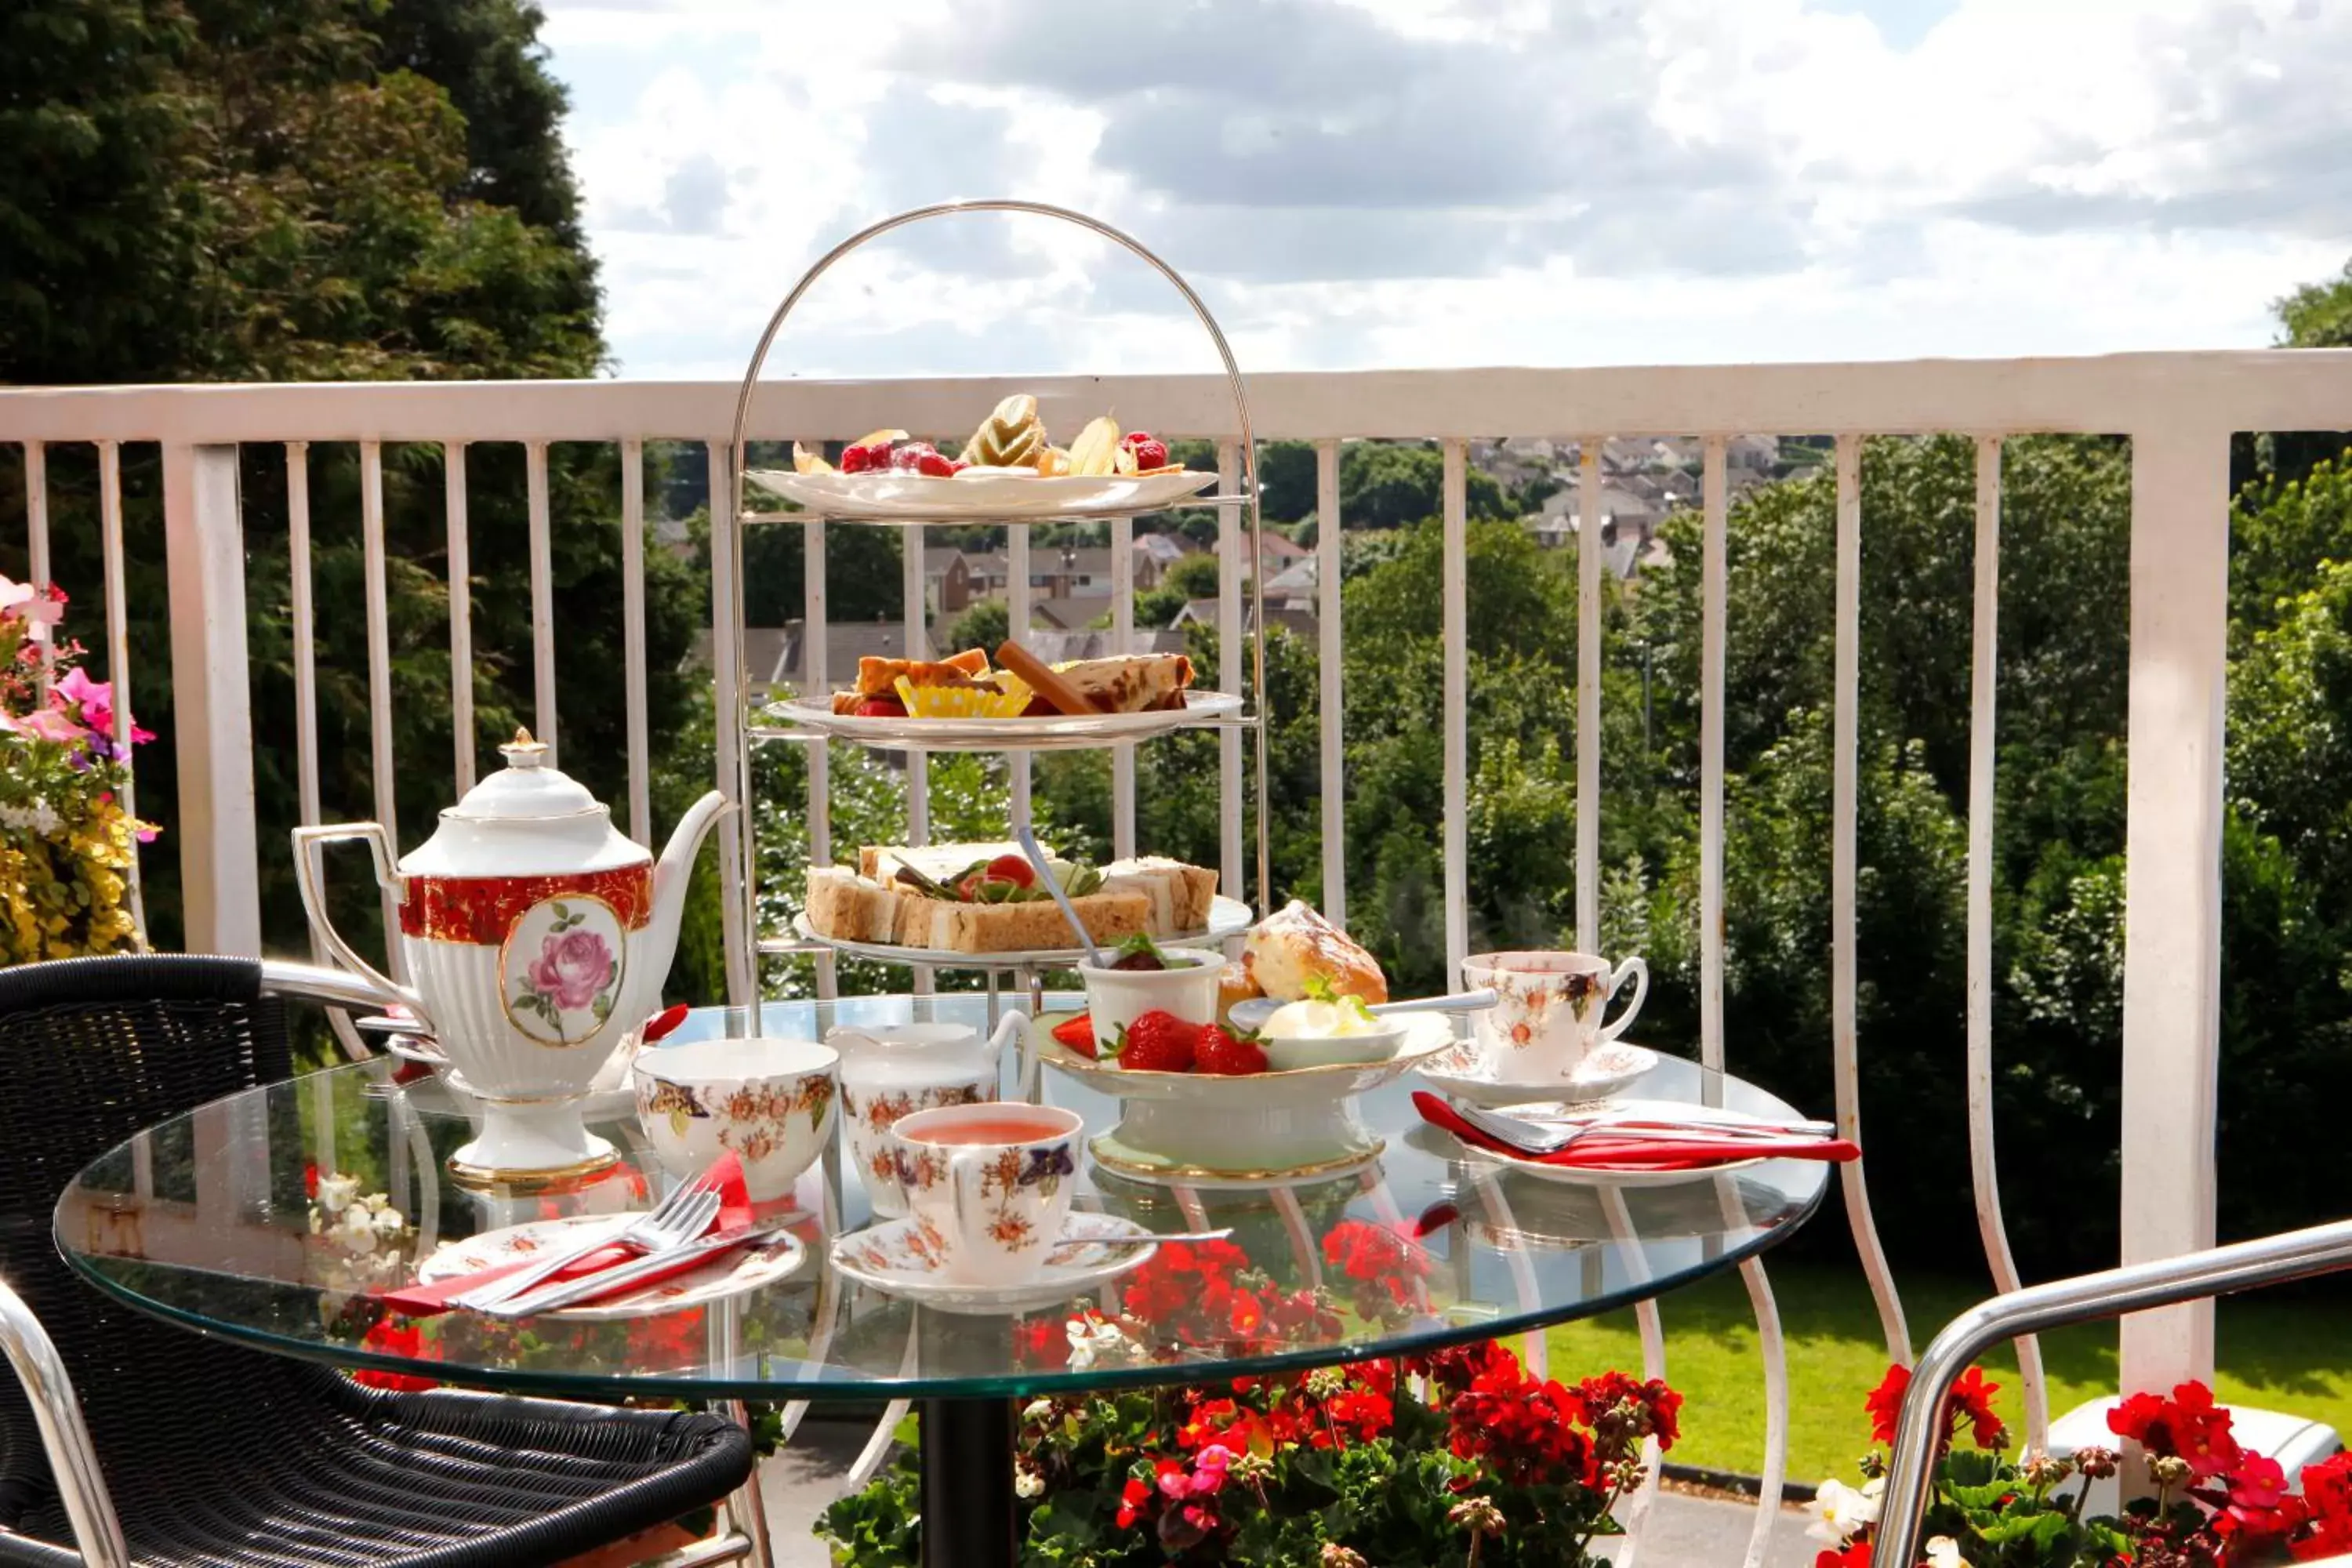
<point>525,789</point>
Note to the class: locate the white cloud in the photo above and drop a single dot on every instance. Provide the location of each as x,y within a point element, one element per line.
<point>1451,182</point>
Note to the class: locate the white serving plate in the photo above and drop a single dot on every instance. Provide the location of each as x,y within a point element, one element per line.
<point>1227,917</point>
<point>1042,733</point>
<point>898,1258</point>
<point>1461,1074</point>
<point>894,497</point>
<point>729,1274</point>
<point>1580,1111</point>
<point>1201,1127</point>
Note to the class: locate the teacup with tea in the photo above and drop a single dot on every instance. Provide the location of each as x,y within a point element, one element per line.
<point>994,1180</point>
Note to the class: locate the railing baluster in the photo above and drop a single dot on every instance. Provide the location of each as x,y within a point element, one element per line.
<point>739,926</point>
<point>1846,742</point>
<point>542,598</point>
<point>37,549</point>
<point>118,646</point>
<point>1714,569</point>
<point>2172,913</point>
<point>1329,669</point>
<point>203,543</point>
<point>305,658</point>
<point>918,645</point>
<point>1589,560</point>
<point>461,613</point>
<point>633,637</point>
<point>1233,554</point>
<point>816,649</point>
<point>1122,640</point>
<point>379,657</point>
<point>1016,620</point>
<point>1984,676</point>
<point>1455,702</point>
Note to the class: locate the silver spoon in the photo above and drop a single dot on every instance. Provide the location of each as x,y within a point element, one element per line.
<point>1028,842</point>
<point>1253,1013</point>
<point>1072,1244</point>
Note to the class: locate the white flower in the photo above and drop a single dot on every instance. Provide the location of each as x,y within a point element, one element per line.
<point>387,1219</point>
<point>1038,1410</point>
<point>39,817</point>
<point>336,1193</point>
<point>1028,1483</point>
<point>355,1230</point>
<point>1838,1510</point>
<point>1090,1340</point>
<point>1943,1552</point>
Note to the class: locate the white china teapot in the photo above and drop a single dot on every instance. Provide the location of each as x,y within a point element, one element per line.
<point>537,935</point>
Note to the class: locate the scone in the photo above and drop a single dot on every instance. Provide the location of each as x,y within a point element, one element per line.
<point>1295,944</point>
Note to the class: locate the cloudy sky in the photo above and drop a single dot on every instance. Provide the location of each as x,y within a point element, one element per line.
<point>1355,183</point>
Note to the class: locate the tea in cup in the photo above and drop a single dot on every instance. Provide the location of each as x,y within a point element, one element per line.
<point>995,1180</point>
<point>1547,1013</point>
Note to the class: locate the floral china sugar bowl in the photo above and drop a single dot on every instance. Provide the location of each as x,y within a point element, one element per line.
<point>536,935</point>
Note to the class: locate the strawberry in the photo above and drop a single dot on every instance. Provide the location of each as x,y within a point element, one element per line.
<point>859,460</point>
<point>1079,1034</point>
<point>909,459</point>
<point>881,708</point>
<point>1223,1052</point>
<point>1150,452</point>
<point>1157,1041</point>
<point>1013,868</point>
<point>937,466</point>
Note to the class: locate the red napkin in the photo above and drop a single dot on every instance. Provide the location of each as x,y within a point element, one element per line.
<point>734,1214</point>
<point>1599,1150</point>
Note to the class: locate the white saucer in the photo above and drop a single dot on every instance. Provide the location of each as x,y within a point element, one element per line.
<point>1574,1113</point>
<point>729,1274</point>
<point>1464,1073</point>
<point>901,1258</point>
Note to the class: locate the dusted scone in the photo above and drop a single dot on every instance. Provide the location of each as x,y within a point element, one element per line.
<point>1294,944</point>
<point>1179,894</point>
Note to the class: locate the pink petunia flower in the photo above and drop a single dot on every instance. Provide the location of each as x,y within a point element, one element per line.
<point>53,725</point>
<point>23,601</point>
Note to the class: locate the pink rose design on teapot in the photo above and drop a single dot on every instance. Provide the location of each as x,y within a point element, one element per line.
<point>571,968</point>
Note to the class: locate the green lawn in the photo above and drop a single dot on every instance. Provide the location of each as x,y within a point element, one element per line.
<point>2283,1354</point>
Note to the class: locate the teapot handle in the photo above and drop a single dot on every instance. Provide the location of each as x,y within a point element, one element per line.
<point>309,874</point>
<point>1013,1028</point>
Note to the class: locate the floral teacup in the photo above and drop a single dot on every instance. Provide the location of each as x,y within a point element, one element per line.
<point>994,1180</point>
<point>771,1101</point>
<point>1547,1013</point>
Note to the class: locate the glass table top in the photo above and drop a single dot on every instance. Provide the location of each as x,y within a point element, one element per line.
<point>208,1221</point>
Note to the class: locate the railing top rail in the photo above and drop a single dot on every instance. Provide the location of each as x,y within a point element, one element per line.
<point>2256,389</point>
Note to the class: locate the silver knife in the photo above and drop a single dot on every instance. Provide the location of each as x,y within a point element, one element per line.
<point>609,1281</point>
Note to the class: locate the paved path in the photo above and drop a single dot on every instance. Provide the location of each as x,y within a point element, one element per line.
<point>1684,1531</point>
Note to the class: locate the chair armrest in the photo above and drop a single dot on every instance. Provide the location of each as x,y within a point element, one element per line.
<point>2240,1266</point>
<point>81,1486</point>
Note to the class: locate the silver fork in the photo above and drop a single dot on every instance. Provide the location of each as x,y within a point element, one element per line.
<point>677,1219</point>
<point>1535,1138</point>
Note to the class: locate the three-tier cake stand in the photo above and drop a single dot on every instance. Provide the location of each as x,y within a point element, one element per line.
<point>810,720</point>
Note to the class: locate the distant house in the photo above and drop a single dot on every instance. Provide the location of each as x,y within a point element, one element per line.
<point>1079,571</point>
<point>1070,611</point>
<point>948,585</point>
<point>1165,548</point>
<point>1054,647</point>
<point>1278,548</point>
<point>1204,613</point>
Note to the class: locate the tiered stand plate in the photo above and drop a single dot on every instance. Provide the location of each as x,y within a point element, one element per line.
<point>1227,918</point>
<point>1057,733</point>
<point>997,499</point>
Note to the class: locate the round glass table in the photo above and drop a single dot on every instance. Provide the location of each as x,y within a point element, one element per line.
<point>218,1221</point>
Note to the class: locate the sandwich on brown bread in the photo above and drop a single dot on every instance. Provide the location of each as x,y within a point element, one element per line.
<point>1180,895</point>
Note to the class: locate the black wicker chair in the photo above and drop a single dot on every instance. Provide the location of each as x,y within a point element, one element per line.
<point>214,1454</point>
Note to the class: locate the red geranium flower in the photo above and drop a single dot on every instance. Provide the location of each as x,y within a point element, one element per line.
<point>1133,1500</point>
<point>400,1337</point>
<point>1885,1403</point>
<point>1855,1554</point>
<point>2187,1425</point>
<point>1971,1400</point>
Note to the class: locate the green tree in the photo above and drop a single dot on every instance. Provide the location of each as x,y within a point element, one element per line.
<point>1385,484</point>
<point>986,625</point>
<point>1285,477</point>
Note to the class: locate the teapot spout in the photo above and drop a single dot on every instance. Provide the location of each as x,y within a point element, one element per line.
<point>674,869</point>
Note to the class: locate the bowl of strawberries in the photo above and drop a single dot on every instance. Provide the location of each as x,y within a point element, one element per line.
<point>1199,1102</point>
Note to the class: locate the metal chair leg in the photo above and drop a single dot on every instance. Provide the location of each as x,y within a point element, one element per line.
<point>81,1486</point>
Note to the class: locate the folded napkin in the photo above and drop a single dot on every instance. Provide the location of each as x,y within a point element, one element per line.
<point>735,1214</point>
<point>1602,1152</point>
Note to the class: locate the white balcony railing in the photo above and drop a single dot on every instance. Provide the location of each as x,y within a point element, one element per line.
<point>2179,409</point>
